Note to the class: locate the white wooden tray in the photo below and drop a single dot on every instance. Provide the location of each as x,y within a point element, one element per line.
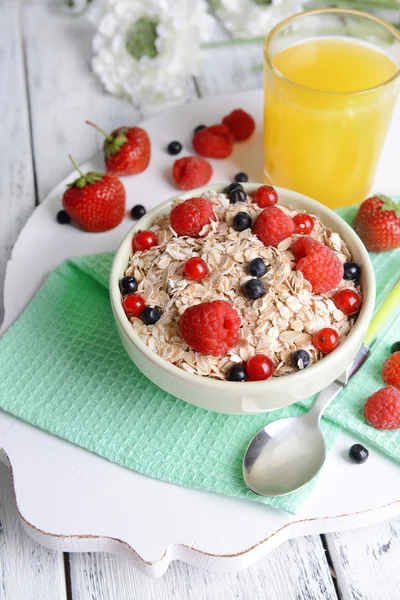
<point>72,500</point>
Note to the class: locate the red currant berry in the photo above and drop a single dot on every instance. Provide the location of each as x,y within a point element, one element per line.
<point>326,340</point>
<point>348,301</point>
<point>265,196</point>
<point>133,305</point>
<point>195,268</point>
<point>303,223</point>
<point>259,367</point>
<point>143,240</point>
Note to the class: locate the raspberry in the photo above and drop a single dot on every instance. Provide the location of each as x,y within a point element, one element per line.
<point>191,172</point>
<point>240,123</point>
<point>214,142</point>
<point>391,370</point>
<point>382,409</point>
<point>319,264</point>
<point>272,226</point>
<point>190,217</point>
<point>210,327</point>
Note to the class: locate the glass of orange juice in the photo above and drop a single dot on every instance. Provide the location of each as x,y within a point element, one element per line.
<point>331,81</point>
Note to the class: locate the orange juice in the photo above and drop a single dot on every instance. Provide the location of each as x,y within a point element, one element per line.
<point>326,117</point>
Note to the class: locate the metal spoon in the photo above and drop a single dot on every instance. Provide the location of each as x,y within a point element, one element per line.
<point>288,453</point>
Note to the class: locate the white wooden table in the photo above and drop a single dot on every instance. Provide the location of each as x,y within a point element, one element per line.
<point>46,93</point>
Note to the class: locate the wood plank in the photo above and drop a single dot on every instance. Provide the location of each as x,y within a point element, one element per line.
<point>297,570</point>
<point>366,561</point>
<point>17,193</point>
<point>64,93</point>
<point>28,571</point>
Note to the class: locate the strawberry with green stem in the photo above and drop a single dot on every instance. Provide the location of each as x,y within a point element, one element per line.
<point>377,222</point>
<point>126,150</point>
<point>95,200</point>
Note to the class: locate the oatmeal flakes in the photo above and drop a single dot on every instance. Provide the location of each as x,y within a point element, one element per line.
<point>276,324</point>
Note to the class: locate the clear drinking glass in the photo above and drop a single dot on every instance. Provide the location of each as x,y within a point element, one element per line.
<point>331,81</point>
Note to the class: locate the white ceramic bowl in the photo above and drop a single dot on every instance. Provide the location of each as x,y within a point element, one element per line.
<point>255,396</point>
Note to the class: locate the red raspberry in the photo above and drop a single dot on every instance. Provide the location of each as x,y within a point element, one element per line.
<point>382,409</point>
<point>319,264</point>
<point>191,172</point>
<point>265,196</point>
<point>210,327</point>
<point>391,370</point>
<point>272,226</point>
<point>214,142</point>
<point>190,217</point>
<point>240,123</point>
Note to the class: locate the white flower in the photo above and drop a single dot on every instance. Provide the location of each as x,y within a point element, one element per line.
<point>147,49</point>
<point>247,18</point>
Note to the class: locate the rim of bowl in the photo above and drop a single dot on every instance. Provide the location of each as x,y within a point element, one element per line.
<point>120,263</point>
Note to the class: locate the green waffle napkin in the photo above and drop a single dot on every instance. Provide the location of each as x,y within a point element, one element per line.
<point>65,371</point>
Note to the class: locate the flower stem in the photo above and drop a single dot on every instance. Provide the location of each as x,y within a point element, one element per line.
<point>234,41</point>
<point>108,137</point>
<point>75,165</point>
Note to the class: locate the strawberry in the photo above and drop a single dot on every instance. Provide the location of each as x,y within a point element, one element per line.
<point>95,201</point>
<point>126,150</point>
<point>377,222</point>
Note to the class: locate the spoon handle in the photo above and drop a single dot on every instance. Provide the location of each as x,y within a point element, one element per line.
<point>324,399</point>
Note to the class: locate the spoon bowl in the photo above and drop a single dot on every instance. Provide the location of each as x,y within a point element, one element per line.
<point>284,456</point>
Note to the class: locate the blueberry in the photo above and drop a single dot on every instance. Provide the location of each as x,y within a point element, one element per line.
<point>199,128</point>
<point>138,211</point>
<point>257,267</point>
<point>150,315</point>
<point>237,195</point>
<point>174,147</point>
<point>241,177</point>
<point>253,288</point>
<point>234,186</point>
<point>395,347</point>
<point>63,217</point>
<point>351,270</point>
<point>128,285</point>
<point>237,373</point>
<point>300,359</point>
<point>241,221</point>
<point>358,453</point>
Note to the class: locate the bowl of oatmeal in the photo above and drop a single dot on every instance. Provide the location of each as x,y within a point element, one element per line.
<point>237,304</point>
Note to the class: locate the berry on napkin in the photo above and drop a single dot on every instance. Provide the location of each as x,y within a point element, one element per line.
<point>377,222</point>
<point>126,150</point>
<point>382,409</point>
<point>95,201</point>
<point>391,370</point>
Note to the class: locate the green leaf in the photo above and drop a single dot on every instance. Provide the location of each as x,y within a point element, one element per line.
<point>81,182</point>
<point>141,38</point>
<point>389,204</point>
<point>113,147</point>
